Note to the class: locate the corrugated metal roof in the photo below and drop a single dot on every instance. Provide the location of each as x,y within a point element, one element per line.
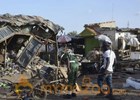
<point>110,24</point>
<point>21,20</point>
<point>5,33</point>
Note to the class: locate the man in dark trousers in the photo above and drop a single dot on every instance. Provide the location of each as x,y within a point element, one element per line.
<point>106,69</point>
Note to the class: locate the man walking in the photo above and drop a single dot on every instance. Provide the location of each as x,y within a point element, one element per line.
<point>106,69</point>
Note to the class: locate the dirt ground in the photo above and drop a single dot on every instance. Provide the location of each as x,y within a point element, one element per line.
<point>119,91</point>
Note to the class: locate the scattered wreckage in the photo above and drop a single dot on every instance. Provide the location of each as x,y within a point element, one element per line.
<point>21,38</point>
<point>23,43</point>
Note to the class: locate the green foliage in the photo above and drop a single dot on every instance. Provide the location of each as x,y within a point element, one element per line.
<point>73,33</point>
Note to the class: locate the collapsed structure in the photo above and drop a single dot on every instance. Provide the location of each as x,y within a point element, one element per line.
<point>22,37</point>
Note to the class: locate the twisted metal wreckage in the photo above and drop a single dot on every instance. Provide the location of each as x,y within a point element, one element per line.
<point>21,40</point>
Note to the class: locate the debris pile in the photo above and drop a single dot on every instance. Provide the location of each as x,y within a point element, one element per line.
<point>21,39</point>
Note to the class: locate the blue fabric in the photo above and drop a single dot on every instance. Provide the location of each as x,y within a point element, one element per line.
<point>26,98</point>
<point>107,78</point>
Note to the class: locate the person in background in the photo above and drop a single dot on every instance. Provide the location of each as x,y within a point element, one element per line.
<point>106,70</point>
<point>51,50</point>
<point>93,55</point>
<point>72,69</point>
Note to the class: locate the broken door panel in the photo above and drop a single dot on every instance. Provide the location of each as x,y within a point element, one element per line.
<point>29,52</point>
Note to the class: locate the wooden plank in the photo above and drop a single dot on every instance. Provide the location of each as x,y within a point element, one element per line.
<point>63,71</point>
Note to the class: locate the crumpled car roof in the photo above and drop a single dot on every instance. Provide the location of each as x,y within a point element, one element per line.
<point>22,20</point>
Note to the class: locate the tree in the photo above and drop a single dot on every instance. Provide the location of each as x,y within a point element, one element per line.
<point>73,33</point>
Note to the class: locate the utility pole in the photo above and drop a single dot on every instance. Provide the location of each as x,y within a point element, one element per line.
<point>112,12</point>
<point>128,24</point>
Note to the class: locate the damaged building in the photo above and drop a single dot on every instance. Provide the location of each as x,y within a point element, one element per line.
<point>22,37</point>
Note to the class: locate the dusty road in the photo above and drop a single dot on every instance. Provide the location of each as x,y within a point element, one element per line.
<point>120,93</point>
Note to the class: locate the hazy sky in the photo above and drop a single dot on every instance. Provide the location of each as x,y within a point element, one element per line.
<point>73,14</point>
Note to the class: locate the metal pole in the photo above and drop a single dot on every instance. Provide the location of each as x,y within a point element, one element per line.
<point>5,55</point>
<point>56,51</point>
<point>56,63</point>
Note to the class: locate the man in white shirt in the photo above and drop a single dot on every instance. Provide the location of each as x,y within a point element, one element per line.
<point>106,69</point>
